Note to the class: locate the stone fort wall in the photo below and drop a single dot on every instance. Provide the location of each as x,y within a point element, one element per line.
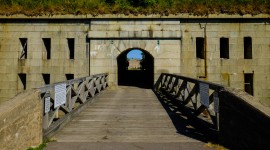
<point>79,46</point>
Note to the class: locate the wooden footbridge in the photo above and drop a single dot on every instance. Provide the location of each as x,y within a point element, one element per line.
<point>127,118</point>
<point>130,117</point>
<point>178,113</point>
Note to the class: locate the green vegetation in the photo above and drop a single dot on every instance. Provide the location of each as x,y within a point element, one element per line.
<point>162,7</point>
<point>42,145</point>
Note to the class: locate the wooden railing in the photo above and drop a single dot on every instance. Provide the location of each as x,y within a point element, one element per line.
<point>198,98</point>
<point>63,99</point>
<point>223,114</point>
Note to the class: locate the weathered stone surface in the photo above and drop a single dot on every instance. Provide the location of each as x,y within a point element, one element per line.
<point>244,121</point>
<point>99,41</point>
<point>21,121</point>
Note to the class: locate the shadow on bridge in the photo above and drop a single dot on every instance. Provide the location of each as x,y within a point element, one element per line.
<point>136,78</point>
<point>183,123</point>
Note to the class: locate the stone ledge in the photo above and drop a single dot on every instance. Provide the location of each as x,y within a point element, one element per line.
<point>134,34</point>
<point>21,121</point>
<point>252,101</point>
<point>244,119</point>
<point>131,16</point>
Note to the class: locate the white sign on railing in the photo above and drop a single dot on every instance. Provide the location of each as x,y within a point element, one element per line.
<point>60,95</point>
<point>216,102</point>
<point>47,105</point>
<point>204,94</point>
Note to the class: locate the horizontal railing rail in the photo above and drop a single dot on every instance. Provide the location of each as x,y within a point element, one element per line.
<point>62,99</point>
<point>199,98</point>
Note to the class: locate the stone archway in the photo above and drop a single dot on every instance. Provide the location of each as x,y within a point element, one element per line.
<point>143,77</point>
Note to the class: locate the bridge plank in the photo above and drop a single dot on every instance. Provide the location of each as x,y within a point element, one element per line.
<point>127,114</point>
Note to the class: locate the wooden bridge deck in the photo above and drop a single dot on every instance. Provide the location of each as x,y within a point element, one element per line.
<point>124,115</point>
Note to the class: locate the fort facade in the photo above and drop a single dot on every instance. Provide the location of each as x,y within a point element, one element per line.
<point>231,50</point>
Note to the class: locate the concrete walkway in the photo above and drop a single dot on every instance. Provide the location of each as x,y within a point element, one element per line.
<point>126,118</point>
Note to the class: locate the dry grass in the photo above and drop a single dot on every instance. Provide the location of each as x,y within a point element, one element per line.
<point>215,146</point>
<point>162,7</point>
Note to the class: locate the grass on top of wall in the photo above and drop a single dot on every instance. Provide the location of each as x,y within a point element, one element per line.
<point>135,7</point>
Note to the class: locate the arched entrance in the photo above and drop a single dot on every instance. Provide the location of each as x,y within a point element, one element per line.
<point>135,71</point>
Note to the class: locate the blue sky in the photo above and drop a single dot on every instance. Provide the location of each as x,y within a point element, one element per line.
<point>134,54</point>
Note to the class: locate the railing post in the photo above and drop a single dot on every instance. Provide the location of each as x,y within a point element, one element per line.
<point>46,109</point>
<point>45,121</point>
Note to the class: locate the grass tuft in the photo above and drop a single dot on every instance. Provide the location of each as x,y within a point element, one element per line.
<point>215,146</point>
<point>42,145</point>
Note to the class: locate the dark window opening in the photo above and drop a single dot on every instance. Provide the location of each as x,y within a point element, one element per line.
<point>249,83</point>
<point>224,48</point>
<point>69,76</point>
<point>247,48</point>
<point>46,78</point>
<point>24,48</point>
<point>71,47</point>
<point>47,44</point>
<point>22,77</point>
<point>200,47</point>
